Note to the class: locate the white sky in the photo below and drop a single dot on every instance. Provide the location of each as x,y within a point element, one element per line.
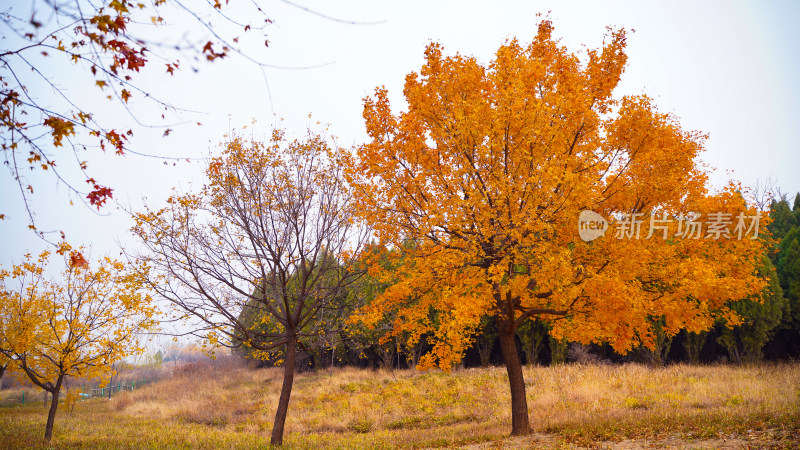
<point>727,68</point>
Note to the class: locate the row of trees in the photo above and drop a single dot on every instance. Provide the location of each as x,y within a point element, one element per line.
<point>769,325</point>
<point>79,319</point>
<point>471,197</point>
<point>457,216</point>
<point>785,256</point>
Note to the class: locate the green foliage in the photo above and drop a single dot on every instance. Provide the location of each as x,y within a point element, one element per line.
<point>532,334</point>
<point>788,268</point>
<point>260,323</point>
<point>558,350</point>
<point>783,219</point>
<point>796,208</point>
<point>662,342</point>
<point>693,343</point>
<point>317,334</point>
<point>760,319</point>
<point>362,293</point>
<point>154,361</point>
<point>379,337</point>
<point>486,336</point>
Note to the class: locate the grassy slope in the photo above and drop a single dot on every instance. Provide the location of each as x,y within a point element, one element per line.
<point>569,405</point>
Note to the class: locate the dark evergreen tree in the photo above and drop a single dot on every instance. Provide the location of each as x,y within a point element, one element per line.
<point>693,343</point>
<point>796,208</point>
<point>788,268</point>
<point>485,339</point>
<point>783,220</point>
<point>558,350</point>
<point>662,343</point>
<point>532,335</point>
<point>760,320</point>
<point>315,338</point>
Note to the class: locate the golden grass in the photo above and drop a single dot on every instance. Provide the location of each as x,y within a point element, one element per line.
<point>349,408</point>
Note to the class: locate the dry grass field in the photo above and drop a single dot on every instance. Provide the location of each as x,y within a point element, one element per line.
<point>571,406</point>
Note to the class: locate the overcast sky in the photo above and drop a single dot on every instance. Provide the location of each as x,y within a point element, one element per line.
<point>726,68</point>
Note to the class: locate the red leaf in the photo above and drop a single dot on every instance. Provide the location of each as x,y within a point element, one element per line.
<point>99,195</point>
<point>76,259</point>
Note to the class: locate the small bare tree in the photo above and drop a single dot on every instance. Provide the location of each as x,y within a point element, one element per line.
<point>764,193</point>
<point>272,230</point>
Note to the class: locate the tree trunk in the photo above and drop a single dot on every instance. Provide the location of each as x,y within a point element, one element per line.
<point>397,351</point>
<point>110,387</point>
<point>520,424</point>
<point>51,415</point>
<point>387,356</point>
<point>286,391</point>
<point>414,353</point>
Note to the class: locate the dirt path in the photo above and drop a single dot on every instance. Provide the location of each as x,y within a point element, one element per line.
<point>541,440</point>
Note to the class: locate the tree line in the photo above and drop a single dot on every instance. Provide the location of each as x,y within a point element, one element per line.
<point>769,328</point>
<point>453,228</point>
<point>450,234</point>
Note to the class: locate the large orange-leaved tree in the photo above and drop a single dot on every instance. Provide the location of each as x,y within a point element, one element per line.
<point>487,173</point>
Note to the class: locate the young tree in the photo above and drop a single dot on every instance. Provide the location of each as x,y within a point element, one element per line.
<point>488,172</point>
<point>78,325</point>
<point>273,229</point>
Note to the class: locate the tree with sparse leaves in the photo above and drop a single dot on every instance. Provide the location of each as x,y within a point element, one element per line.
<point>109,43</point>
<point>273,232</point>
<point>77,325</point>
